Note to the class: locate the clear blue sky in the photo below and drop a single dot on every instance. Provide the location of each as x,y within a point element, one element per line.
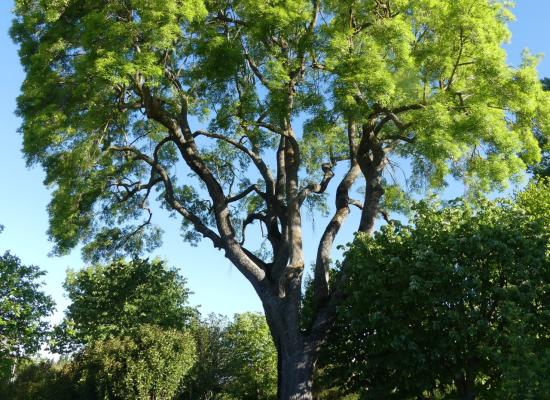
<point>217,286</point>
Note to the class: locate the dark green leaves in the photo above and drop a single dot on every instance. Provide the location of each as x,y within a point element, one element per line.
<point>111,300</point>
<point>457,299</point>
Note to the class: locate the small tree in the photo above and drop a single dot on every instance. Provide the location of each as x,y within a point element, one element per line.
<point>206,379</point>
<point>253,362</point>
<point>287,90</point>
<point>452,306</point>
<point>235,360</point>
<point>109,300</point>
<point>146,363</point>
<point>23,309</point>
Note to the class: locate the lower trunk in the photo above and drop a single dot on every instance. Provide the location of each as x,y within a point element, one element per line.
<point>295,367</point>
<point>296,352</point>
<point>466,386</point>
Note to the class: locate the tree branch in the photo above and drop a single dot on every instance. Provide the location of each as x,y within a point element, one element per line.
<point>322,263</point>
<point>244,193</point>
<point>317,187</point>
<point>169,194</point>
<point>256,159</point>
<point>249,219</point>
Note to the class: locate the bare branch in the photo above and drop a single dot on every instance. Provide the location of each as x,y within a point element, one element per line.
<point>457,63</point>
<point>244,193</point>
<point>254,67</point>
<point>356,203</point>
<point>224,18</point>
<point>169,194</point>
<point>317,187</point>
<point>258,161</point>
<point>250,218</point>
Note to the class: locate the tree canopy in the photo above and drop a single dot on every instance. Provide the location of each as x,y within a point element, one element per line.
<point>113,299</point>
<point>453,305</point>
<point>23,311</point>
<point>109,81</point>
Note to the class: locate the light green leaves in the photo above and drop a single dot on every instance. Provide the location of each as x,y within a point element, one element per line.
<point>429,76</point>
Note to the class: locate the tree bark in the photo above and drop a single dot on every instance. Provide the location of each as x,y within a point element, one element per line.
<point>297,351</point>
<point>296,362</point>
<point>373,193</point>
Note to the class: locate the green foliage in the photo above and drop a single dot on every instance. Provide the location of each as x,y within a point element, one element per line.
<point>110,300</point>
<point>253,362</point>
<point>113,89</point>
<point>207,377</point>
<point>100,76</point>
<point>145,363</point>
<point>451,305</point>
<point>42,380</point>
<point>214,359</point>
<point>23,308</point>
<point>235,360</point>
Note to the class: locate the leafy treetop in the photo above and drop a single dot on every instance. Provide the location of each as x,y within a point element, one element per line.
<point>112,86</point>
<point>114,299</point>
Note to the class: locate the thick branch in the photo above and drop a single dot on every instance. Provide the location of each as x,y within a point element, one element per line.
<point>256,159</point>
<point>169,193</point>
<point>250,218</point>
<point>372,160</point>
<point>322,264</point>
<point>180,134</point>
<point>320,187</point>
<point>244,193</point>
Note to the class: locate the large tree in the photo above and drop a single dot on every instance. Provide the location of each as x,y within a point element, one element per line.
<point>285,91</point>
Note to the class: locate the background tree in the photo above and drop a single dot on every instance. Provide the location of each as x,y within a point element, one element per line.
<point>235,360</point>
<point>109,300</point>
<point>206,379</point>
<point>287,90</point>
<point>23,309</point>
<point>453,305</point>
<point>253,362</point>
<point>42,380</point>
<point>146,363</point>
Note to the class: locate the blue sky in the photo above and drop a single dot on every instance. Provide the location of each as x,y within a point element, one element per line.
<point>217,286</point>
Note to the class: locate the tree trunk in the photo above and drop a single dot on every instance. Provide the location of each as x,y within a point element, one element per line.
<point>373,193</point>
<point>296,352</point>
<point>465,384</point>
<point>296,363</point>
